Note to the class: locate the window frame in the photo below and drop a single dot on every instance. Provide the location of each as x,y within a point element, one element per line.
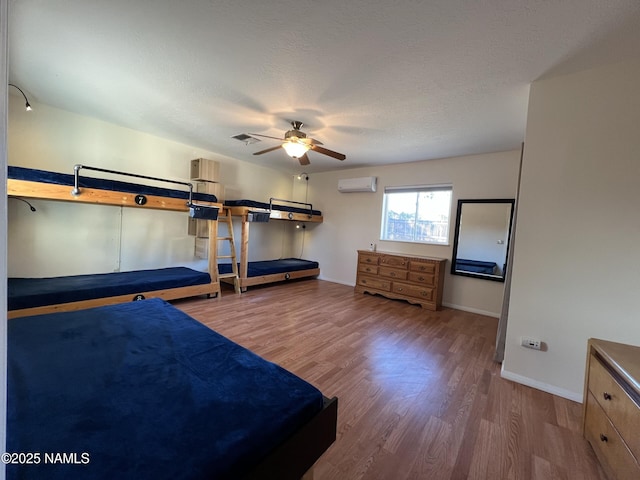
<point>415,189</point>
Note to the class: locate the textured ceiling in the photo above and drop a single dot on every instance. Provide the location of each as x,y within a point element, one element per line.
<point>382,82</point>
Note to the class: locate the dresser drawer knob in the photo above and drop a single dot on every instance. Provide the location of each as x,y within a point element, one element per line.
<point>603,437</point>
<point>393,274</point>
<point>423,293</point>
<point>607,396</point>
<point>421,278</point>
<point>399,289</point>
<point>368,260</point>
<point>364,281</point>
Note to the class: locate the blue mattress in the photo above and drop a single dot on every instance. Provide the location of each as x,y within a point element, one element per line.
<point>282,208</point>
<point>475,266</point>
<point>34,175</point>
<point>37,292</point>
<point>141,390</point>
<point>270,267</point>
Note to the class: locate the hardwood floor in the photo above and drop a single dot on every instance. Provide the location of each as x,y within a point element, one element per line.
<point>419,394</point>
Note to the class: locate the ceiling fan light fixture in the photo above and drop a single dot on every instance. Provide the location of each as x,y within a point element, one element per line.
<point>295,149</point>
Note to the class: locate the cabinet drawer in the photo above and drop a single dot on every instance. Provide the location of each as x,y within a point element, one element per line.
<point>615,402</point>
<point>609,447</point>
<point>369,259</point>
<point>399,262</point>
<point>393,273</point>
<point>422,292</point>
<point>424,278</point>
<point>364,268</point>
<point>376,283</point>
<point>426,267</point>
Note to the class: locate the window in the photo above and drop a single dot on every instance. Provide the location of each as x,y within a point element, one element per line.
<point>417,214</point>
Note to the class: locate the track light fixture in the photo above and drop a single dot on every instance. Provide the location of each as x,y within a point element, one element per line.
<point>27,106</point>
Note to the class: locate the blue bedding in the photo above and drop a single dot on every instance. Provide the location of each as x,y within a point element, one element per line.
<point>269,267</point>
<point>283,208</point>
<point>141,390</point>
<point>36,292</point>
<point>475,266</point>
<point>34,175</point>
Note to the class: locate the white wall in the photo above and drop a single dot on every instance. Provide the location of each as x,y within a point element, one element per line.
<point>352,220</point>
<point>577,262</point>
<point>65,239</point>
<point>3,227</point>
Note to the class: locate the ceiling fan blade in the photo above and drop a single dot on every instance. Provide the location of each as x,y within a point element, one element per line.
<point>267,150</point>
<point>331,153</point>
<point>310,141</point>
<point>304,160</point>
<point>265,136</point>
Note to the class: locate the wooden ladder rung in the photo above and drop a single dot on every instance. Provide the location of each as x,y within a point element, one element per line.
<point>226,256</point>
<point>224,238</point>
<point>226,275</point>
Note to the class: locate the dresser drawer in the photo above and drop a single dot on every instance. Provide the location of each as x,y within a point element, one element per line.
<point>364,268</point>
<point>392,261</point>
<point>394,273</point>
<point>425,267</point>
<point>609,447</point>
<point>615,402</point>
<point>368,258</point>
<point>423,278</point>
<point>418,291</point>
<point>376,283</point>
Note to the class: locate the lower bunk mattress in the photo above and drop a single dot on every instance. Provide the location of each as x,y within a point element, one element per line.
<point>37,292</point>
<point>271,267</point>
<point>142,390</point>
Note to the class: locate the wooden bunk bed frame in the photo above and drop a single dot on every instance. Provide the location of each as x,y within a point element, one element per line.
<point>245,212</point>
<point>56,192</point>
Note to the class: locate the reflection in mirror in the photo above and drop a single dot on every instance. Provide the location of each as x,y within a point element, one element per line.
<point>481,243</point>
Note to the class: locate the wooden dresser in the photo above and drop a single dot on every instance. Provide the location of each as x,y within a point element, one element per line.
<point>412,278</point>
<point>611,419</point>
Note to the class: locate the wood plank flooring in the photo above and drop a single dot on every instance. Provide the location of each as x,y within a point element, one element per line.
<point>419,394</point>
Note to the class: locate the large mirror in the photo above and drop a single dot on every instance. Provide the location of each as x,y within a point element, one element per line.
<point>481,243</point>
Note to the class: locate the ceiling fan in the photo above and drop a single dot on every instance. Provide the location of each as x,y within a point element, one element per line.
<point>297,144</point>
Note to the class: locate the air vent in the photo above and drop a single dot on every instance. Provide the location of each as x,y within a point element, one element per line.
<point>246,139</point>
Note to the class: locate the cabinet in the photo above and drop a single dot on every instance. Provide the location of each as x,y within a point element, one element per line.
<point>611,412</point>
<point>412,278</point>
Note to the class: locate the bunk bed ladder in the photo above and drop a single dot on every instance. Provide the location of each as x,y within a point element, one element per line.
<point>232,250</point>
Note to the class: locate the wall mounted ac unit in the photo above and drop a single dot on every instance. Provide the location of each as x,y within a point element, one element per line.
<point>361,184</point>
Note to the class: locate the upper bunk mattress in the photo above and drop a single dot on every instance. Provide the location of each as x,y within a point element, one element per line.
<point>270,267</point>
<point>267,206</point>
<point>37,292</point>
<point>142,390</point>
<point>43,176</point>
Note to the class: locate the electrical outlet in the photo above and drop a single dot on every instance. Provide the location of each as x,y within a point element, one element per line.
<point>530,343</point>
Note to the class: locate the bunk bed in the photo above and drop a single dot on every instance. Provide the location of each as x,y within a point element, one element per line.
<point>269,271</point>
<point>142,390</point>
<point>45,295</point>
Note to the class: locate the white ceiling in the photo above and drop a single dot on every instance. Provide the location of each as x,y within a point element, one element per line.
<point>382,82</point>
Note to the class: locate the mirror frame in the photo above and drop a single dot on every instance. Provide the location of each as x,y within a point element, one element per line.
<point>485,276</point>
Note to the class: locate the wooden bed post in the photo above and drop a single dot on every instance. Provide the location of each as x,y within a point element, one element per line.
<point>213,251</point>
<point>244,249</point>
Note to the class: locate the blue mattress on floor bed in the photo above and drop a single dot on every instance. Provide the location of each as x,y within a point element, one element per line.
<point>266,206</point>
<point>142,390</point>
<point>37,292</point>
<point>475,266</point>
<point>43,176</point>
<point>270,267</point>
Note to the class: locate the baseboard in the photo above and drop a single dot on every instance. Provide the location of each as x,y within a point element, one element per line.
<point>321,277</point>
<point>472,310</point>
<point>545,387</point>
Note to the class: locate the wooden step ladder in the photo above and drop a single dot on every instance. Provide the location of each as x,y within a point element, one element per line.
<point>226,218</point>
